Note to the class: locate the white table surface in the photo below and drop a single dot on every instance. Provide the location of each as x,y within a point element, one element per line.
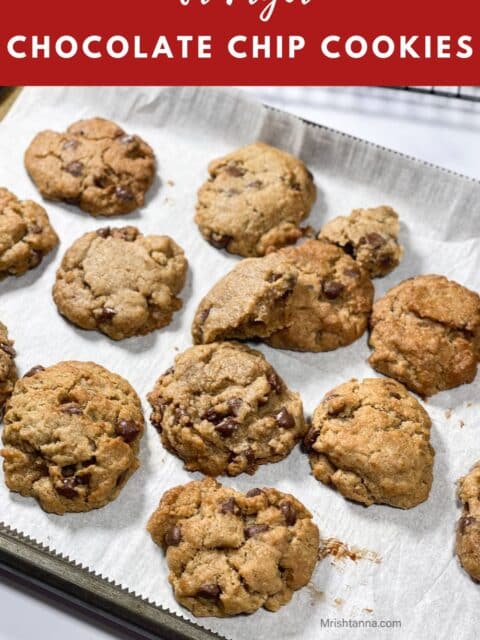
<point>438,130</point>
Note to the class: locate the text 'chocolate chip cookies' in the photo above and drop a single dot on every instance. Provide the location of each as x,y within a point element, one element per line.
<point>425,332</point>
<point>94,165</point>
<point>231,553</point>
<point>255,200</point>
<point>224,410</point>
<point>468,529</point>
<point>26,235</point>
<point>71,435</point>
<point>120,282</point>
<point>371,441</point>
<point>313,297</point>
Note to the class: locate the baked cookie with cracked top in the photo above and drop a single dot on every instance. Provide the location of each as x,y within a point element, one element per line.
<point>26,235</point>
<point>313,297</point>
<point>370,236</point>
<point>468,528</point>
<point>371,441</point>
<point>425,332</point>
<point>120,282</point>
<point>94,165</point>
<point>231,553</point>
<point>223,409</point>
<point>8,370</point>
<point>71,436</point>
<point>255,200</point>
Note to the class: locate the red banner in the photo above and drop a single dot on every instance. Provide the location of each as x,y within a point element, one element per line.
<point>235,42</point>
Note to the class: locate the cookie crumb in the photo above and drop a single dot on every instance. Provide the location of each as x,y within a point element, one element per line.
<point>366,610</point>
<point>448,413</point>
<point>341,551</point>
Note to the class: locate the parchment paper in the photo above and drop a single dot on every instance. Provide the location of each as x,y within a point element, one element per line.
<point>418,581</point>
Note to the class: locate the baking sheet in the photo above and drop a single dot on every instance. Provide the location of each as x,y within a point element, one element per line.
<point>418,580</point>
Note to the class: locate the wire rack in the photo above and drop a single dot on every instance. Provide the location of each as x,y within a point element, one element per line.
<point>470,94</point>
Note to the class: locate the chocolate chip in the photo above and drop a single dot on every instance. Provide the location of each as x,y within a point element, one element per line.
<point>128,430</point>
<point>254,530</point>
<point>35,229</point>
<point>204,314</point>
<point>351,272</point>
<point>89,462</point>
<point>105,314</point>
<point>69,471</point>
<point>253,492</point>
<point>70,144</point>
<point>8,349</point>
<point>33,371</point>
<point>284,419</point>
<point>256,184</point>
<point>219,241</point>
<point>67,488</point>
<point>349,248</point>
<point>213,416</point>
<point>235,171</point>
<point>173,537</point>
<point>386,261</point>
<point>375,240</point>
<point>72,408</point>
<point>465,522</point>
<point>75,168</point>
<point>234,405</point>
<point>332,289</point>
<point>124,194</point>
<point>227,427</point>
<point>229,506</point>
<point>310,439</point>
<point>209,591</point>
<point>104,232</point>
<point>74,200</point>
<point>296,186</point>
<point>289,513</point>
<point>250,456</point>
<point>83,479</point>
<point>274,382</point>
<point>396,395</point>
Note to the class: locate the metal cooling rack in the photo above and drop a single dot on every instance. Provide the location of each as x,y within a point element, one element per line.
<point>470,94</point>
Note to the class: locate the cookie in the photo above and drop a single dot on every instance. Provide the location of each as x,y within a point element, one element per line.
<point>26,235</point>
<point>94,165</point>
<point>468,528</point>
<point>370,236</point>
<point>313,297</point>
<point>425,332</point>
<point>120,282</point>
<point>230,553</point>
<point>224,410</point>
<point>71,435</point>
<point>371,441</point>
<point>255,200</point>
<point>8,370</point>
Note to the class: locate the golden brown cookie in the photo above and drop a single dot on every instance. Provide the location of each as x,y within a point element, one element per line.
<point>308,298</point>
<point>425,332</point>
<point>120,282</point>
<point>370,236</point>
<point>254,201</point>
<point>71,434</point>
<point>94,165</point>
<point>230,553</point>
<point>468,528</point>
<point>8,370</point>
<point>26,235</point>
<point>371,441</point>
<point>223,409</point>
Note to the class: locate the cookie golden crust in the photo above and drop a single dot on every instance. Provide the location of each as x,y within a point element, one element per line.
<point>71,436</point>
<point>307,298</point>
<point>468,528</point>
<point>425,332</point>
<point>224,410</point>
<point>231,553</point>
<point>120,283</point>
<point>94,165</point>
<point>26,235</point>
<point>254,201</point>
<point>371,441</point>
<point>8,370</point>
<point>370,236</point>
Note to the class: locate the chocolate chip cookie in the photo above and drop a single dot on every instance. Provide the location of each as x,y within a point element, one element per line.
<point>425,332</point>
<point>26,235</point>
<point>371,441</point>
<point>313,297</point>
<point>230,553</point>
<point>224,410</point>
<point>8,370</point>
<point>120,282</point>
<point>71,435</point>
<point>94,165</point>
<point>468,529</point>
<point>370,236</point>
<point>254,201</point>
